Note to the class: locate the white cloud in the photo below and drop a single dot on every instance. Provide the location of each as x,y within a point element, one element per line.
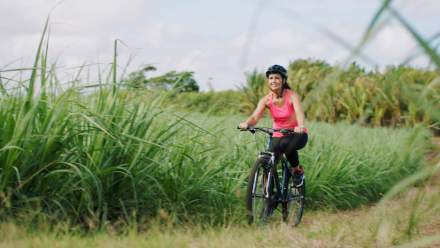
<point>392,45</point>
<point>425,8</point>
<point>85,30</point>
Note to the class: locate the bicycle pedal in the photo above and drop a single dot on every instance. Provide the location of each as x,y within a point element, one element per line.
<point>298,182</point>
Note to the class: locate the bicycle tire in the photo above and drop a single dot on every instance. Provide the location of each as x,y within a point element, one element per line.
<point>293,207</point>
<point>257,205</point>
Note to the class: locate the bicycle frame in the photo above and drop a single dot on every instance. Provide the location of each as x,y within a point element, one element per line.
<point>281,189</point>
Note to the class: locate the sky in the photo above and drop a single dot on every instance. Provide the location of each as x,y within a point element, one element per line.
<point>219,41</point>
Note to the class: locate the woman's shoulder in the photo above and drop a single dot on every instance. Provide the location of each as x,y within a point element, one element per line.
<point>293,96</point>
<point>292,93</point>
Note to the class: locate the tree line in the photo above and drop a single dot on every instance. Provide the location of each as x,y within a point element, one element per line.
<point>396,96</point>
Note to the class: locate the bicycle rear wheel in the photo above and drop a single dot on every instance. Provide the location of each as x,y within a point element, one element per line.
<point>258,196</point>
<point>293,207</point>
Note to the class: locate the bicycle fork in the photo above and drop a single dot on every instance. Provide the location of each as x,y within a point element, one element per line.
<point>270,156</point>
<point>272,173</point>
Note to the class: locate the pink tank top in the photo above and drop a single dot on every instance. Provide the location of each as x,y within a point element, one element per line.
<point>284,116</point>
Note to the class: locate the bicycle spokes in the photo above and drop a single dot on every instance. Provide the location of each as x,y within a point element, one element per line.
<point>259,191</point>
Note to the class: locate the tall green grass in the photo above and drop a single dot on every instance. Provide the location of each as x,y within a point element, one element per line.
<point>111,156</point>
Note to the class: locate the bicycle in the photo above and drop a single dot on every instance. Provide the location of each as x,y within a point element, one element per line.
<point>265,190</point>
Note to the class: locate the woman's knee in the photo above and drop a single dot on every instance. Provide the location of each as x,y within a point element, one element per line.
<point>302,141</point>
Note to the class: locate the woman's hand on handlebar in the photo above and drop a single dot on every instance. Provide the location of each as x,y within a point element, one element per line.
<point>298,129</point>
<point>243,125</point>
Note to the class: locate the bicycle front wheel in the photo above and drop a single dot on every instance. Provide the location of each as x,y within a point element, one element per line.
<point>259,193</point>
<point>293,206</point>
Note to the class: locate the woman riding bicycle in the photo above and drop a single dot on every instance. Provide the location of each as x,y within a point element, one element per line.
<point>286,112</point>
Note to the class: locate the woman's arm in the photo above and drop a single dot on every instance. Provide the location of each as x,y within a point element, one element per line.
<point>256,115</point>
<point>300,118</point>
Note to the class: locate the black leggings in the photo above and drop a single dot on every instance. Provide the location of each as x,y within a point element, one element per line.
<point>289,145</point>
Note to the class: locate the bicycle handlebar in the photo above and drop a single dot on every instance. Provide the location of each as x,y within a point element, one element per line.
<point>267,130</point>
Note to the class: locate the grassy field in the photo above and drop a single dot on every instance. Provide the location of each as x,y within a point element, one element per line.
<point>111,157</point>
<point>113,170</point>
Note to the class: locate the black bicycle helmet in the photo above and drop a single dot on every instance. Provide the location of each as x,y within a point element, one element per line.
<point>277,69</point>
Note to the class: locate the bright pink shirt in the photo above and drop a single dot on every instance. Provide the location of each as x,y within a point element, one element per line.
<point>284,116</point>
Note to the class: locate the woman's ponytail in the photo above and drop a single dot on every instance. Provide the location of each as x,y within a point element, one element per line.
<point>286,85</point>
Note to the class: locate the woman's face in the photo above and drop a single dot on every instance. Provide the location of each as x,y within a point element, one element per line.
<point>275,82</point>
